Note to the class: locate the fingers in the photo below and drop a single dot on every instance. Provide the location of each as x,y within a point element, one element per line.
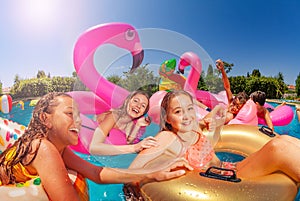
<point>219,64</point>
<point>174,174</point>
<point>180,162</point>
<point>149,142</point>
<point>177,169</point>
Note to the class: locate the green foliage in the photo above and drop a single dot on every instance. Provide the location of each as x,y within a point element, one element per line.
<point>141,79</point>
<point>237,84</point>
<point>201,84</point>
<point>211,81</point>
<point>256,73</point>
<point>41,74</point>
<point>36,87</point>
<point>297,82</point>
<point>114,79</point>
<point>274,87</point>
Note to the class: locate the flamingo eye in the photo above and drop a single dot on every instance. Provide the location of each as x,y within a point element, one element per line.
<point>129,34</point>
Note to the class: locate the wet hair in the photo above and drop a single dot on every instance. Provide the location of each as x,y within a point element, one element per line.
<point>164,126</point>
<point>24,145</point>
<point>121,111</point>
<point>259,97</point>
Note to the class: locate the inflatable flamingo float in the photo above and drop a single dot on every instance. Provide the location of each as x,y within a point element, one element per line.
<point>104,95</point>
<point>247,115</point>
<point>119,34</point>
<point>186,59</point>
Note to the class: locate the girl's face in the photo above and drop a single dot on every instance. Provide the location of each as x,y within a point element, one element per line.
<point>64,122</point>
<point>181,113</point>
<point>137,106</point>
<point>235,106</point>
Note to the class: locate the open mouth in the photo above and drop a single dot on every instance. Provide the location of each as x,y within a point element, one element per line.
<point>187,123</point>
<point>74,130</point>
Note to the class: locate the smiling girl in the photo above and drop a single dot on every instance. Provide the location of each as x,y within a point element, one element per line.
<point>42,151</point>
<point>128,125</point>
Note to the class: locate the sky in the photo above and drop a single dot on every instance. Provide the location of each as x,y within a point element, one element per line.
<point>252,34</point>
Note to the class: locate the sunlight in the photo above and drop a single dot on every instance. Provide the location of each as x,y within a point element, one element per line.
<point>37,16</point>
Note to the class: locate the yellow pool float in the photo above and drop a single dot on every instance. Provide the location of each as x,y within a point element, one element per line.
<point>238,139</point>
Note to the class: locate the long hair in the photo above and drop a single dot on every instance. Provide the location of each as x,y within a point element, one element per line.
<point>23,146</point>
<point>122,111</point>
<point>164,125</point>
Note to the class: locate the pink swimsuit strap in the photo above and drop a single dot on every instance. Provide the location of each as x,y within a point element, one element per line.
<point>200,153</point>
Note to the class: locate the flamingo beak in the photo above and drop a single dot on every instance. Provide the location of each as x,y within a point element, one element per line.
<point>137,60</point>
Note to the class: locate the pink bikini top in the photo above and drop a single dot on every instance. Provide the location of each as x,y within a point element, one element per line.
<point>118,137</point>
<point>200,153</point>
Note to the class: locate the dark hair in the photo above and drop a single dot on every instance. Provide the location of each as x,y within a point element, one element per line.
<point>259,97</point>
<point>242,97</point>
<point>164,126</point>
<point>23,146</point>
<point>123,109</point>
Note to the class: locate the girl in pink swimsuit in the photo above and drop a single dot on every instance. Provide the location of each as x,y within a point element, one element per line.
<point>181,136</point>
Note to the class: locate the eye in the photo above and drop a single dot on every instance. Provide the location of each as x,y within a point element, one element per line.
<point>143,105</point>
<point>190,108</point>
<point>129,34</point>
<point>177,111</point>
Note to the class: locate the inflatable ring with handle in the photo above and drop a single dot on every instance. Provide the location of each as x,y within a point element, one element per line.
<point>239,139</point>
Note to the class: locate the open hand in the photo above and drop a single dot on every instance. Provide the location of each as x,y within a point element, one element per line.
<point>175,169</point>
<point>146,143</point>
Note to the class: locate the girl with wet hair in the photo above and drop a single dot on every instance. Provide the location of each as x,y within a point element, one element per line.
<point>42,151</point>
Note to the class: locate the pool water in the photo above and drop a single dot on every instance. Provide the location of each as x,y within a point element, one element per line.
<point>113,192</point>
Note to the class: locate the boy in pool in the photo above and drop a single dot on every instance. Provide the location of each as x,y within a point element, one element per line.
<point>43,149</point>
<point>259,98</point>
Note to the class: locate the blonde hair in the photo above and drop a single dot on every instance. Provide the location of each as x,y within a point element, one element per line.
<point>121,111</point>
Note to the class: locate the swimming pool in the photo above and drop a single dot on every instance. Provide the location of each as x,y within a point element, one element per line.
<point>114,192</point>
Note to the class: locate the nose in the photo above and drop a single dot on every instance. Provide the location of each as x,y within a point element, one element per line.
<point>185,115</point>
<point>77,120</point>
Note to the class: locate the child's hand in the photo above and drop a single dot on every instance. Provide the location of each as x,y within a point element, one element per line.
<point>144,121</point>
<point>220,64</point>
<point>146,143</point>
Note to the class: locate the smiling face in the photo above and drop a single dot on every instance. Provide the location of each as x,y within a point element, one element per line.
<point>64,122</point>
<point>181,114</point>
<point>235,106</point>
<point>137,106</point>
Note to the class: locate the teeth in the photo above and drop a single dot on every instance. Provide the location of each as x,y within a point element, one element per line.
<point>74,130</point>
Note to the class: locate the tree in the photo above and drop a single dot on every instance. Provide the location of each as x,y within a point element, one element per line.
<point>201,84</point>
<point>256,73</point>
<point>297,82</point>
<point>140,79</point>
<point>41,74</point>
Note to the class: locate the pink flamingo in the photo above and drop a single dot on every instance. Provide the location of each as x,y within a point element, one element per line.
<point>100,98</point>
<point>120,34</point>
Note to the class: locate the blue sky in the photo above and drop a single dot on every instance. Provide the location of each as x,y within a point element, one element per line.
<point>251,34</point>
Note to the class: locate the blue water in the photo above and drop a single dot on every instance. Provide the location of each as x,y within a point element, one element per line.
<point>114,192</point>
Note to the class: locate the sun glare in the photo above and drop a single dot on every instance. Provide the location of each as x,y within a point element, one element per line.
<point>37,16</point>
